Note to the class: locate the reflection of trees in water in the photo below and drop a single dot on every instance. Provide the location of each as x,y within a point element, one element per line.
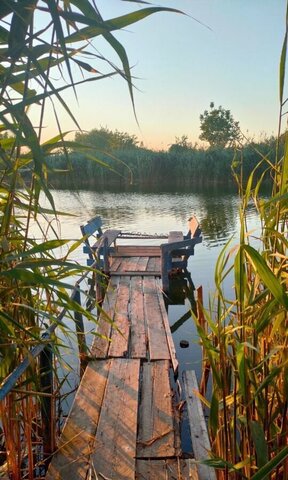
<point>216,210</point>
<point>218,216</point>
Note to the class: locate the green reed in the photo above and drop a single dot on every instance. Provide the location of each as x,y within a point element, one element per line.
<point>42,44</point>
<point>246,347</point>
<point>140,166</point>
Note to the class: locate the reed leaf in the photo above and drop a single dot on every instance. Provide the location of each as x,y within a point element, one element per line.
<point>260,442</point>
<point>266,275</point>
<point>271,465</point>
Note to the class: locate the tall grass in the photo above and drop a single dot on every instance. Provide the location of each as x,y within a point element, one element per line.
<point>40,42</point>
<point>245,348</point>
<point>141,166</point>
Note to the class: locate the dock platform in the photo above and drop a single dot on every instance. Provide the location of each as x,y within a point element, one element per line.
<point>126,417</point>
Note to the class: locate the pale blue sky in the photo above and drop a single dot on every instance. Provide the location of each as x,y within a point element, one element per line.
<point>181,66</point>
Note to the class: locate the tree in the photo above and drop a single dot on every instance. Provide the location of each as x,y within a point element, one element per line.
<point>181,145</point>
<point>219,127</point>
<point>107,140</point>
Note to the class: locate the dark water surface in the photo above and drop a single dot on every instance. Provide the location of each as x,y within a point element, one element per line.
<point>217,211</point>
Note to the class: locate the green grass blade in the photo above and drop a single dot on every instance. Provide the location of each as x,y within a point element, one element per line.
<point>260,443</point>
<point>271,465</point>
<point>266,275</point>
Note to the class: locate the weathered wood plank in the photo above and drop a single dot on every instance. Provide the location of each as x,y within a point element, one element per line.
<point>115,443</point>
<point>170,341</point>
<point>199,435</point>
<point>135,273</point>
<point>138,251</point>
<point>175,236</point>
<point>120,335</point>
<point>138,329</point>
<point>157,341</point>
<point>101,342</point>
<point>72,459</point>
<point>142,263</point>
<point>130,264</point>
<point>158,264</point>
<point>151,264</point>
<point>115,264</point>
<point>170,469</point>
<point>156,436</point>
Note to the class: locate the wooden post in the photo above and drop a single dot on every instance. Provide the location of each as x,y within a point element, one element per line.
<point>47,403</point>
<point>105,256</point>
<point>205,362</point>
<point>199,435</point>
<point>80,334</point>
<point>165,269</point>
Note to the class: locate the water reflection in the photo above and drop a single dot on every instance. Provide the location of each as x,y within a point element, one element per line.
<point>152,212</point>
<point>161,212</point>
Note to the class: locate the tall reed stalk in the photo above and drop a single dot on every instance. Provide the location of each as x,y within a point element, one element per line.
<point>247,344</point>
<point>40,41</point>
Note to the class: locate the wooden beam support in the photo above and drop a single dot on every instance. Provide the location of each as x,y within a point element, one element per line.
<point>199,434</point>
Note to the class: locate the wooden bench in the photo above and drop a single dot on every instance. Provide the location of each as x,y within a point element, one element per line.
<point>98,252</point>
<point>175,253</point>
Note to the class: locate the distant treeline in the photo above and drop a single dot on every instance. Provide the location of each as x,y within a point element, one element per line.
<point>180,165</point>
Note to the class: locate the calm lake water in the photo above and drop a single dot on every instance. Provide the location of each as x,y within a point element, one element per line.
<point>217,212</point>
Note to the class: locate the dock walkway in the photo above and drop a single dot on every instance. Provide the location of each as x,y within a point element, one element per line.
<point>125,423</point>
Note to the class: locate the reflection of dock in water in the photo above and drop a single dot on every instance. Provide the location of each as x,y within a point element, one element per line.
<point>125,423</point>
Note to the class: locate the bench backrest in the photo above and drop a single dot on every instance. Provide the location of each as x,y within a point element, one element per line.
<point>194,228</point>
<point>93,226</point>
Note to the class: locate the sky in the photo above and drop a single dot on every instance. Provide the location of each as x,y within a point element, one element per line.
<point>229,56</point>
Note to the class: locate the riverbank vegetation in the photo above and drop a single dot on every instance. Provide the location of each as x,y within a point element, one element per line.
<point>245,344</point>
<point>244,338</point>
<point>46,48</point>
<point>106,158</point>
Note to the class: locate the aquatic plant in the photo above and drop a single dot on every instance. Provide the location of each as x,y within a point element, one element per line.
<point>186,166</point>
<point>42,44</point>
<point>244,338</point>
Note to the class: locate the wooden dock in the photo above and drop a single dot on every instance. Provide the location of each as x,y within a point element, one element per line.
<point>125,420</point>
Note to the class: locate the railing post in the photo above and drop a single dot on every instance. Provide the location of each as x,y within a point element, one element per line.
<point>47,402</point>
<point>80,334</point>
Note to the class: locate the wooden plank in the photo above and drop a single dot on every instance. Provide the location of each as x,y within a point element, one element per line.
<point>158,264</point>
<point>156,426</point>
<point>109,235</point>
<point>101,342</point>
<point>93,225</point>
<point>170,469</point>
<point>115,264</point>
<point>175,236</point>
<point>199,435</point>
<point>115,443</point>
<point>169,337</point>
<point>120,336</point>
<point>72,459</point>
<point>138,330</point>
<point>135,273</point>
<point>151,264</point>
<point>130,264</point>
<point>137,250</point>
<point>142,264</point>
<point>158,348</point>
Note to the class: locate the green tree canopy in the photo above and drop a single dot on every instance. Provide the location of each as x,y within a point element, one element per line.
<point>107,140</point>
<point>218,127</point>
<point>181,144</point>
